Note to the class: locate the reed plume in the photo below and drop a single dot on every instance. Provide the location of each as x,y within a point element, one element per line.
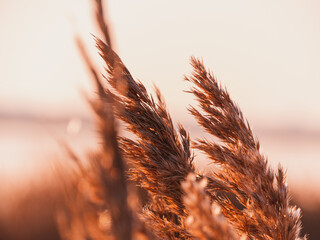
<point>205,220</point>
<point>160,156</point>
<point>266,213</point>
<point>158,160</point>
<point>105,175</point>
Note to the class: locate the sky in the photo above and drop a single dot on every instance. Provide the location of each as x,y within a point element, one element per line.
<point>266,53</point>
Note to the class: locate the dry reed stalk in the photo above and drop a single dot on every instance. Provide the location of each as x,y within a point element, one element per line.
<point>160,156</point>
<point>164,155</point>
<point>96,201</point>
<point>160,159</point>
<point>108,179</point>
<point>266,212</point>
<point>205,220</point>
<point>102,23</point>
<point>110,167</point>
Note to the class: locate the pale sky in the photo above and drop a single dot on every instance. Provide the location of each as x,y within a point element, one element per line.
<point>266,53</point>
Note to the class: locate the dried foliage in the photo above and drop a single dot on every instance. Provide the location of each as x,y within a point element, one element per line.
<point>267,213</point>
<point>160,158</point>
<point>205,220</point>
<point>146,186</point>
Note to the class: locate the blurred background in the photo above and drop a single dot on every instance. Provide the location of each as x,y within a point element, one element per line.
<point>266,53</point>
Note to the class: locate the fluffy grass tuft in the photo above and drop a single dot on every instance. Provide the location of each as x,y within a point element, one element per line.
<point>146,186</point>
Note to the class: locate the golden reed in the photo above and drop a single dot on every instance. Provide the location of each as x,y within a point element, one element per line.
<point>147,187</point>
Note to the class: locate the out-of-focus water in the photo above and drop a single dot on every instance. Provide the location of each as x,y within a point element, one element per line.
<point>28,146</point>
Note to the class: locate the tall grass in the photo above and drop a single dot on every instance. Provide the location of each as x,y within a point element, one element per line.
<point>147,187</point>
